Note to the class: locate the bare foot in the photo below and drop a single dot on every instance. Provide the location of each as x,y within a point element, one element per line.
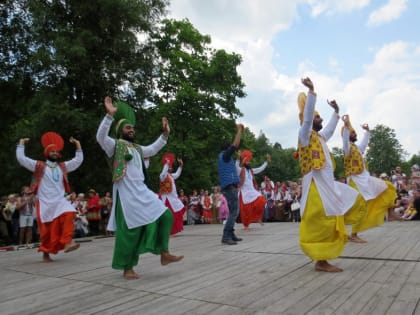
<point>260,222</point>
<point>130,274</point>
<point>246,227</point>
<point>166,258</point>
<point>323,265</point>
<point>71,247</point>
<point>46,258</point>
<point>356,239</point>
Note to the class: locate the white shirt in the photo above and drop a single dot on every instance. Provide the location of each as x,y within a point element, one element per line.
<point>51,189</point>
<point>140,205</point>
<point>336,197</point>
<point>247,190</point>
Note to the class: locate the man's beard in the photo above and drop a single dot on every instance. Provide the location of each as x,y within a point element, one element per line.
<point>127,137</point>
<point>317,127</point>
<point>247,166</point>
<point>52,159</point>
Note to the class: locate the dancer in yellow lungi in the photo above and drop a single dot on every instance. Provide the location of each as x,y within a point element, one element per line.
<point>380,195</point>
<point>324,200</point>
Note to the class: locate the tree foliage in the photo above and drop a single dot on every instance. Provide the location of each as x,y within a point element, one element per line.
<point>384,152</point>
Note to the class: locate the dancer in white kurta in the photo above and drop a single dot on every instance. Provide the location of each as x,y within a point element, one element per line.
<point>379,194</point>
<point>168,192</point>
<point>251,201</point>
<point>324,200</point>
<point>55,214</point>
<point>141,220</point>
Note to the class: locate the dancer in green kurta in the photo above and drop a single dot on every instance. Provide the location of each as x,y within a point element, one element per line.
<point>141,221</point>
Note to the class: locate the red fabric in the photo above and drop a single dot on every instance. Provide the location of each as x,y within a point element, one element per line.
<point>251,212</point>
<point>178,224</point>
<point>93,209</point>
<point>56,234</point>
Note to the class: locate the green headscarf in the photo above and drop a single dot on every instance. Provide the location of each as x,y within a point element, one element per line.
<point>123,116</point>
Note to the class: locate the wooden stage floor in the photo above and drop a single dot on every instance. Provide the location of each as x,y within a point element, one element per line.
<point>266,273</point>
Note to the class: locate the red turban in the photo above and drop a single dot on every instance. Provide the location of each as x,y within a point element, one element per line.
<point>52,141</point>
<point>246,156</point>
<point>168,157</point>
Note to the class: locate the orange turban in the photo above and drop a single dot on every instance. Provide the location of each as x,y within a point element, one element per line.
<point>246,156</point>
<point>51,141</point>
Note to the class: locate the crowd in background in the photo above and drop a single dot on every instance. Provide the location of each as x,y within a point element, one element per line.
<point>18,225</point>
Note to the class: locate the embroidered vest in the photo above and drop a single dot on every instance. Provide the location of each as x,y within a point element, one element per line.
<point>122,156</point>
<point>311,157</point>
<point>165,186</point>
<point>353,163</point>
<point>39,173</point>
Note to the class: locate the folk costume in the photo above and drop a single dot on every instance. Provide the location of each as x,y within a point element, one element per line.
<point>324,200</point>
<point>380,195</point>
<point>54,212</point>
<point>251,202</point>
<point>168,193</point>
<point>140,219</point>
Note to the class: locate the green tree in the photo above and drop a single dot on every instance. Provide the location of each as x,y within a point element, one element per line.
<point>384,152</point>
<point>196,87</point>
<point>58,63</point>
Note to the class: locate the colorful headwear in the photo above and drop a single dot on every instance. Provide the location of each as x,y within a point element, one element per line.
<point>246,156</point>
<point>301,104</point>
<point>51,141</point>
<point>168,157</point>
<point>351,129</point>
<point>123,116</point>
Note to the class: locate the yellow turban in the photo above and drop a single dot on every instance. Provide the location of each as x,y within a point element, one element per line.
<point>351,129</point>
<point>301,104</point>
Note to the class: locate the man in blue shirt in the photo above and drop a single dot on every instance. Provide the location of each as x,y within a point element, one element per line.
<point>229,181</point>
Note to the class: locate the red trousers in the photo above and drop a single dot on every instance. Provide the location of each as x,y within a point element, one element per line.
<point>57,233</point>
<point>251,212</point>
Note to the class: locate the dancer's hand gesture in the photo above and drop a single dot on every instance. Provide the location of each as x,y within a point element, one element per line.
<point>110,108</point>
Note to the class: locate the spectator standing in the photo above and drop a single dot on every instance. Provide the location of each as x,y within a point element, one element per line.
<point>26,208</point>
<point>93,213</point>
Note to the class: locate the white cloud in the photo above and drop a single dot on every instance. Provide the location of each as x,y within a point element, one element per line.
<point>388,12</point>
<point>333,6</point>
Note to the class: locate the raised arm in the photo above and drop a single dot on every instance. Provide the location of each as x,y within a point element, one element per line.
<point>179,170</point>
<point>346,135</point>
<point>22,158</point>
<point>308,113</point>
<point>328,131</point>
<point>74,163</point>
<point>107,143</point>
<point>365,140</point>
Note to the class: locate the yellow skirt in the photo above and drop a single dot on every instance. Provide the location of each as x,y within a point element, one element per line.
<point>321,237</point>
<point>377,208</point>
<point>356,215</point>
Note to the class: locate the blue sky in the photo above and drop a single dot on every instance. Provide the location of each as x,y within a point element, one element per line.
<point>363,53</point>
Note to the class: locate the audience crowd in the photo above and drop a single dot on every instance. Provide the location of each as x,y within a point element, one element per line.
<point>18,224</point>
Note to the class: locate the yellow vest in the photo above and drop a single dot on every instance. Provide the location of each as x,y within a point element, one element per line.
<point>311,157</point>
<point>353,163</point>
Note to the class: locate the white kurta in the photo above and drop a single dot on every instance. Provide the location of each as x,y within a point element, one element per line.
<point>51,189</point>
<point>140,205</point>
<point>336,197</point>
<point>369,187</point>
<point>248,191</point>
<point>172,197</point>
